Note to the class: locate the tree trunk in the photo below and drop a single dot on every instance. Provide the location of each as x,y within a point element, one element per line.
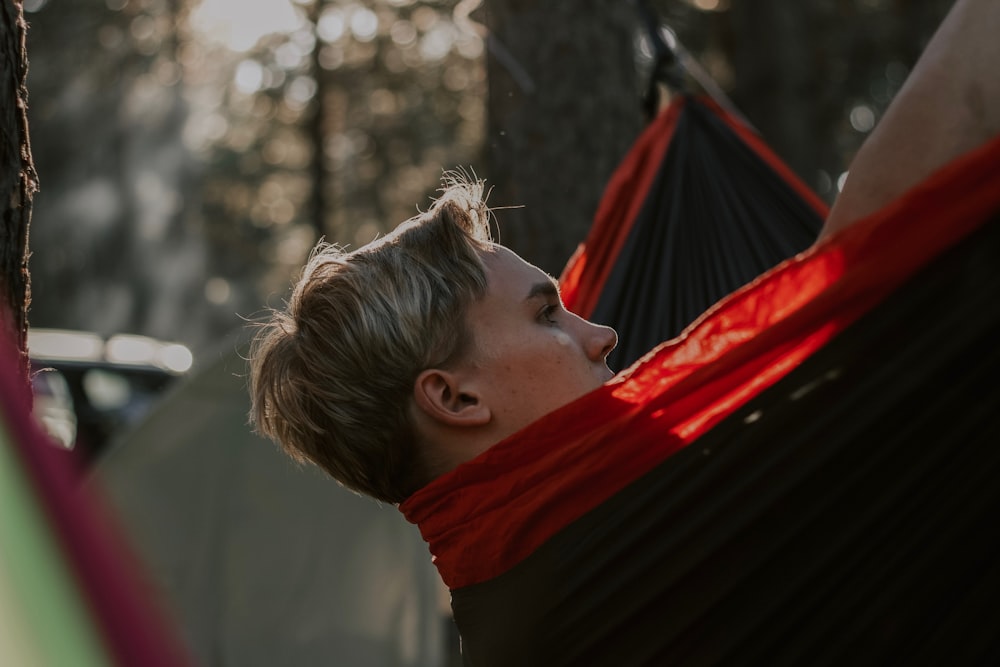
<point>563,109</point>
<point>18,181</point>
<point>780,82</point>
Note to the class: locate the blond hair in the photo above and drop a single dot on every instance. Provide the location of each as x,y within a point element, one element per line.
<point>331,377</point>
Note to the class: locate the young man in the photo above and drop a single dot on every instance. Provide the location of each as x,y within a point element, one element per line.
<point>399,361</point>
<point>438,370</point>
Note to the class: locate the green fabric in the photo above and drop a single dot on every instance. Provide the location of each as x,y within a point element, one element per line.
<point>43,620</point>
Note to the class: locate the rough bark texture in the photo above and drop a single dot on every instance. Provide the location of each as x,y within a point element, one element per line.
<point>18,181</point>
<point>563,109</point>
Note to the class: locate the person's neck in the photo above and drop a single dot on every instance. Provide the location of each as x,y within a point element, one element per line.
<point>447,447</point>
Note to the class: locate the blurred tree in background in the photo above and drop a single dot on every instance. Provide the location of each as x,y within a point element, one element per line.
<point>563,109</point>
<point>195,150</point>
<point>192,151</point>
<point>116,247</point>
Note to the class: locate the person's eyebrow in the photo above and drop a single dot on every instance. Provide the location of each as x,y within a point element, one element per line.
<point>546,288</point>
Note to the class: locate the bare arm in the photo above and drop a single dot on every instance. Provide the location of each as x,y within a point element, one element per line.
<point>949,105</point>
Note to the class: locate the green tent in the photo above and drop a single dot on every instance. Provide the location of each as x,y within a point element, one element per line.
<point>263,562</point>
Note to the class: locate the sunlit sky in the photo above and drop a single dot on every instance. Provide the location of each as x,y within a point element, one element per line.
<point>240,24</point>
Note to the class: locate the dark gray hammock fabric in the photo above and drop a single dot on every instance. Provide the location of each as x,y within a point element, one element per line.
<point>848,515</point>
<point>720,210</point>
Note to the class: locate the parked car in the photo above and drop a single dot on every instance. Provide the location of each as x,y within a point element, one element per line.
<point>88,388</point>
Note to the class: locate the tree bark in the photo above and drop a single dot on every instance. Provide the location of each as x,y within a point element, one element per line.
<point>563,109</point>
<point>18,181</point>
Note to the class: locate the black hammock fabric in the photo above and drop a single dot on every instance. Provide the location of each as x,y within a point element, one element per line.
<point>805,476</point>
<point>848,515</point>
<point>719,210</point>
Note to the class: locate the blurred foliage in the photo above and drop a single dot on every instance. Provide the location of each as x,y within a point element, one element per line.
<point>366,103</point>
<point>191,151</point>
<point>110,250</point>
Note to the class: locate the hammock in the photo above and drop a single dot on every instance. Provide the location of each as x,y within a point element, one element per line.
<point>699,207</point>
<point>805,476</point>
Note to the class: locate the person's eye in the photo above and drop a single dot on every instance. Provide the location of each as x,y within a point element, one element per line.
<point>547,314</point>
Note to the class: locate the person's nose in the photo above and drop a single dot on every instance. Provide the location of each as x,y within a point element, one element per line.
<point>601,340</point>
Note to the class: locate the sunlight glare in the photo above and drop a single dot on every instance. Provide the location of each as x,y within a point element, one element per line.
<point>403,33</point>
<point>289,55</point>
<point>249,77</point>
<point>300,91</point>
<point>364,24</point>
<point>176,357</point>
<point>229,21</point>
<point>841,181</point>
<point>330,26</point>
<point>437,42</point>
<point>217,290</point>
<point>58,344</point>
<point>862,118</point>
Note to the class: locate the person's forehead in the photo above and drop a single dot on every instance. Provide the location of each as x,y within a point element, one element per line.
<point>508,271</point>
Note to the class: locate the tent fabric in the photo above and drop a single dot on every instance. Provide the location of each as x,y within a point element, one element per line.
<point>37,587</point>
<point>489,517</point>
<point>69,591</point>
<point>699,207</point>
<point>263,562</point>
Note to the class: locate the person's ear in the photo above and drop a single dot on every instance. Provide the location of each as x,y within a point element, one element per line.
<point>443,396</point>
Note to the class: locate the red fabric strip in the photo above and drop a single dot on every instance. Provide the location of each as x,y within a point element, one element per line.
<point>490,513</point>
